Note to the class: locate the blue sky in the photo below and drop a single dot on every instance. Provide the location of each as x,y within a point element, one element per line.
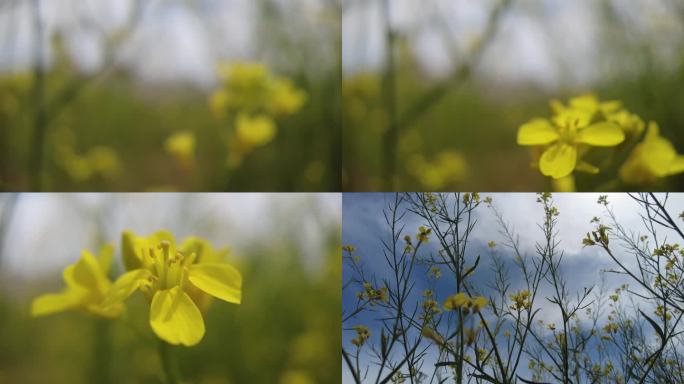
<point>364,226</point>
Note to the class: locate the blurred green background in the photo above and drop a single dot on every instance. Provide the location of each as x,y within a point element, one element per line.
<point>285,331</point>
<point>90,91</point>
<point>443,114</point>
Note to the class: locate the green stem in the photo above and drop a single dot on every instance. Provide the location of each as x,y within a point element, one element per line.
<point>40,116</point>
<point>169,363</point>
<point>101,368</point>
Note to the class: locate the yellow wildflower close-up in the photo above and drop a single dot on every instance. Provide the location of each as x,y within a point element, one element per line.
<point>568,134</point>
<point>87,284</point>
<point>167,274</point>
<point>654,158</point>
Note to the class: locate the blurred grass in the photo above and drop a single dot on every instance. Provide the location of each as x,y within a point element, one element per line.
<point>480,121</point>
<point>134,118</point>
<point>135,122</point>
<point>478,117</point>
<point>285,331</point>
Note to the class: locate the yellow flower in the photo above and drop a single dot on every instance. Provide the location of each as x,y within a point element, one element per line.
<point>254,131</point>
<point>243,75</point>
<point>181,145</point>
<point>479,302</point>
<point>423,234</point>
<point>104,161</point>
<point>285,98</point>
<point>447,168</point>
<point>168,275</point>
<point>296,377</point>
<point>456,301</point>
<point>87,284</point>
<point>563,135</point>
<point>362,334</point>
<point>219,102</point>
<point>521,300</point>
<point>655,157</point>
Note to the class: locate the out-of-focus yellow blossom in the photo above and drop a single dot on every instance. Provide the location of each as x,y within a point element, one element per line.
<point>285,98</point>
<point>630,123</point>
<point>181,145</point>
<point>479,302</point>
<point>167,274</point>
<point>296,377</point>
<point>97,161</point>
<point>86,286</point>
<point>254,131</point>
<point>250,87</point>
<point>654,158</point>
<point>358,94</point>
<point>104,161</point>
<point>243,75</point>
<point>465,302</point>
<point>446,169</point>
<point>255,97</point>
<point>566,134</point>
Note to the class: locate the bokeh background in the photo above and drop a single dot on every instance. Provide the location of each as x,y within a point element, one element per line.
<point>466,74</point>
<point>285,331</point>
<point>91,90</point>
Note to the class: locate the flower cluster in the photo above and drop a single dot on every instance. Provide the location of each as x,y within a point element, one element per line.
<point>253,99</point>
<point>99,161</point>
<point>465,303</point>
<point>563,142</point>
<point>372,294</point>
<point>362,334</point>
<point>178,280</point>
<point>423,234</point>
<point>446,169</point>
<point>521,300</point>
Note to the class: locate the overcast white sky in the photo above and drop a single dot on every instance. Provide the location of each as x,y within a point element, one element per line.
<point>537,38</point>
<point>176,40</point>
<point>50,230</point>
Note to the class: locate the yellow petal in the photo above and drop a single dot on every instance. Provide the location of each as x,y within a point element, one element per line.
<point>125,285</point>
<point>105,258</point>
<point>88,275</point>
<point>217,279</point>
<point>677,166</point>
<point>56,302</point>
<point>175,318</point>
<point>131,248</point>
<point>602,134</point>
<point>537,132</point>
<point>558,161</point>
<point>195,245</point>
